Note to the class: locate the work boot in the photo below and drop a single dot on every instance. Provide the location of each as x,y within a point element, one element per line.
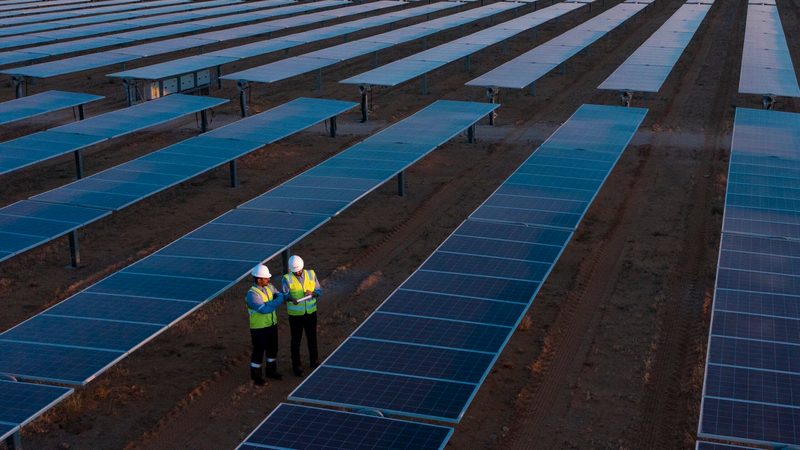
<point>298,371</point>
<point>314,364</point>
<point>256,376</point>
<point>272,371</point>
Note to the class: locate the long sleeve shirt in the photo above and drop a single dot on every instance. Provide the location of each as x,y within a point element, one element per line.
<point>256,302</point>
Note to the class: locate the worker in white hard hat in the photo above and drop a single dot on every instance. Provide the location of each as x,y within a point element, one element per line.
<point>297,285</point>
<point>263,301</point>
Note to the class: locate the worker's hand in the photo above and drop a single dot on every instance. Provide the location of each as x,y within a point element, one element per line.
<point>315,295</point>
<point>308,292</point>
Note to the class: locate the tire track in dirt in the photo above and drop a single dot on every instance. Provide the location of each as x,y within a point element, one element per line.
<point>681,329</point>
<point>571,337</point>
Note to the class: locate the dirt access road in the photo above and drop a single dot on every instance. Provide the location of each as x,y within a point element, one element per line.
<point>610,355</point>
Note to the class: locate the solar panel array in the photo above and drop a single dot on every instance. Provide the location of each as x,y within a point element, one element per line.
<point>309,62</point>
<point>140,51</point>
<point>123,6</point>
<point>20,403</point>
<point>752,369</point>
<point>39,33</point>
<point>217,58</point>
<point>649,66</point>
<point>32,6</point>
<point>43,103</point>
<point>121,186</point>
<point>525,69</point>
<point>767,67</point>
<point>303,427</point>
<point>429,346</point>
<point>24,8</point>
<point>701,445</point>
<point>37,147</point>
<point>79,338</point>
<point>402,70</point>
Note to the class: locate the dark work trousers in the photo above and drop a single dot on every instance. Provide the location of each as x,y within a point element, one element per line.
<point>298,324</point>
<point>265,341</point>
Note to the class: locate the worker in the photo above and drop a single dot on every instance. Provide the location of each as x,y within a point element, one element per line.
<point>262,302</point>
<point>297,285</point>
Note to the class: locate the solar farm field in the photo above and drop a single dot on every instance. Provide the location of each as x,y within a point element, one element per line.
<point>549,224</point>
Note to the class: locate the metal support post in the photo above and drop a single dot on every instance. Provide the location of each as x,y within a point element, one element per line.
<point>204,120</point>
<point>425,43</point>
<point>532,89</point>
<point>564,68</point>
<point>81,113</point>
<point>333,126</point>
<point>14,442</point>
<point>424,84</point>
<point>319,80</point>
<point>401,184</point>
<point>493,94</point>
<point>375,59</point>
<point>19,85</point>
<point>78,164</point>
<point>130,90</point>
<point>471,134</point>
<point>285,256</point>
<point>243,87</point>
<point>219,77</point>
<point>467,63</point>
<point>363,91</point>
<point>74,249</point>
<point>234,174</point>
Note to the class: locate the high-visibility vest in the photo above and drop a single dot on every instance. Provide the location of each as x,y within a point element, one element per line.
<point>258,320</point>
<point>297,291</point>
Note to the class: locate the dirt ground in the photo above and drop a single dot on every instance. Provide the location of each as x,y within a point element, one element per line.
<point>611,354</point>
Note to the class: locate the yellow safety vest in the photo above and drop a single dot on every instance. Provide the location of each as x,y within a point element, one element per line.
<point>258,320</point>
<point>297,291</point>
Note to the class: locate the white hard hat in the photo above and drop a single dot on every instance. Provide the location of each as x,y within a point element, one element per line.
<point>261,271</point>
<point>295,263</point>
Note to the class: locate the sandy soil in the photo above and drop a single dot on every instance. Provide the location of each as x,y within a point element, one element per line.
<point>611,354</point>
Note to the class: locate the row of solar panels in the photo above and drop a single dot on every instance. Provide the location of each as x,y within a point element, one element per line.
<point>429,346</point>
<point>767,66</point>
<point>753,364</point>
<point>650,65</point>
<point>84,335</point>
<point>525,69</point>
<point>52,31</point>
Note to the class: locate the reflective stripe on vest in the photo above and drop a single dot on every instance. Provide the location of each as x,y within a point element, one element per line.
<point>258,320</point>
<point>297,290</point>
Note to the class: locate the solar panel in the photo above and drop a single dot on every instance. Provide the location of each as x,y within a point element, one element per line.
<point>115,56</point>
<point>54,213</point>
<point>649,66</point>
<point>43,103</point>
<point>34,148</point>
<point>716,446</point>
<point>751,368</point>
<point>303,427</point>
<point>445,326</point>
<point>195,268</point>
<point>764,36</point>
<point>290,67</point>
<point>525,69</point>
<point>21,403</point>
